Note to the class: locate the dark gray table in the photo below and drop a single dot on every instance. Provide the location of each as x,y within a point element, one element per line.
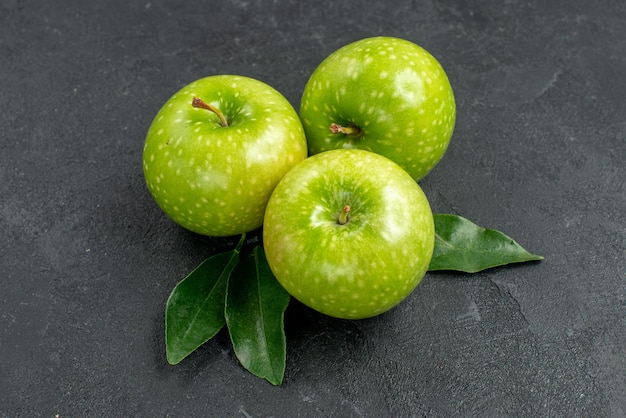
<point>87,260</point>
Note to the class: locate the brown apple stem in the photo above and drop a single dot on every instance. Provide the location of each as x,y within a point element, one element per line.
<point>199,103</point>
<point>346,130</point>
<point>344,216</point>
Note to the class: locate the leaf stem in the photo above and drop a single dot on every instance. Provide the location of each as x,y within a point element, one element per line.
<point>240,243</point>
<point>199,103</point>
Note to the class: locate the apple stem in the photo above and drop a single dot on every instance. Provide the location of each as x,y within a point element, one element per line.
<point>199,103</point>
<point>344,216</point>
<point>346,130</point>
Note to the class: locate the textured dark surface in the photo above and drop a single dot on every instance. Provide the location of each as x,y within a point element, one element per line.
<point>87,260</point>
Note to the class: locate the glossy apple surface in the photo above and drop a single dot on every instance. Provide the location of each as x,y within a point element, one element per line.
<point>385,95</point>
<point>348,233</point>
<point>214,175</point>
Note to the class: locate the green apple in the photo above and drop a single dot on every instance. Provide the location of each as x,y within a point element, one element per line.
<point>385,95</point>
<point>348,233</point>
<point>216,150</point>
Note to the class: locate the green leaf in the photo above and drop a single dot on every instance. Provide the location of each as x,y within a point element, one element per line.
<point>255,307</point>
<point>194,312</point>
<point>464,246</point>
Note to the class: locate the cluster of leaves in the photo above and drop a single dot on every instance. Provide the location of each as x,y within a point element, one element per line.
<point>240,292</point>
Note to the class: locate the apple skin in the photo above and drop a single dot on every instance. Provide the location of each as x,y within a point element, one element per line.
<point>365,266</point>
<point>216,180</point>
<point>393,91</point>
